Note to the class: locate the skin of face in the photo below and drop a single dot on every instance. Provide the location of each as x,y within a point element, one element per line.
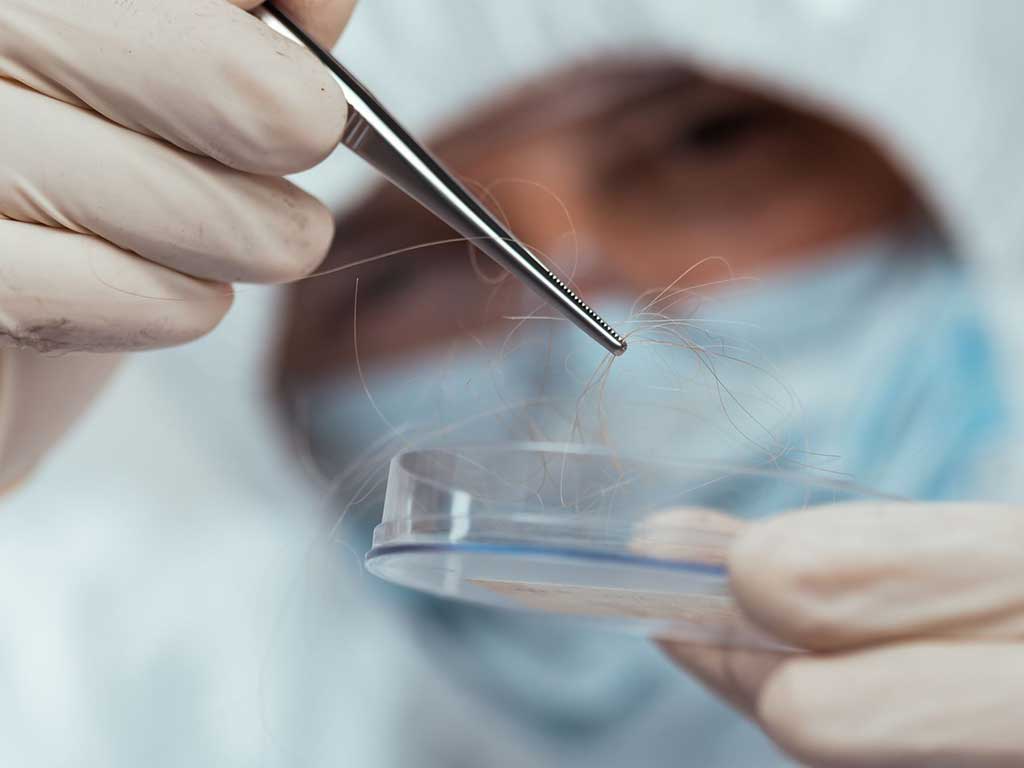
<point>652,173</point>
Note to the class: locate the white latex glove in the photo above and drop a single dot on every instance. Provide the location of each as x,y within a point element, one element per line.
<point>914,619</point>
<point>141,145</point>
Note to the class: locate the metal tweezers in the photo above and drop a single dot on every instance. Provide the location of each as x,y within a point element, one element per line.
<point>373,134</point>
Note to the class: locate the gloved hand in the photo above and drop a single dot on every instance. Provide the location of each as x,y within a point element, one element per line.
<point>914,618</point>
<point>141,144</point>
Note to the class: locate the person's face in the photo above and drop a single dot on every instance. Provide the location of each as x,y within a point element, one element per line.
<point>662,172</point>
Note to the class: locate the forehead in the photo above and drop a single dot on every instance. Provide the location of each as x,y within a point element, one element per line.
<point>572,97</point>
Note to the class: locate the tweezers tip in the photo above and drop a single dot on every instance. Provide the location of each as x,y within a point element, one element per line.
<point>619,348</point>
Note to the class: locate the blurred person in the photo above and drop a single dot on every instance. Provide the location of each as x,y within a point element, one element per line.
<point>647,173</point>
<point>863,193</point>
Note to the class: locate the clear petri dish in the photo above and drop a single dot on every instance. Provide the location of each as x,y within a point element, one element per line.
<point>633,544</point>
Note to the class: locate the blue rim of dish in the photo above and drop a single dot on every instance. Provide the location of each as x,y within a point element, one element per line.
<point>703,569</point>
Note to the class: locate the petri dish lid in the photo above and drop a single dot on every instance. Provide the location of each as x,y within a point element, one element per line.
<point>634,544</point>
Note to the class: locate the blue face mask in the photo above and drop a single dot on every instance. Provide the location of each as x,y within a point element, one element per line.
<point>885,351</point>
<point>873,363</point>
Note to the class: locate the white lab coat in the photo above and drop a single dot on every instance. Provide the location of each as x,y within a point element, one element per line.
<point>167,596</point>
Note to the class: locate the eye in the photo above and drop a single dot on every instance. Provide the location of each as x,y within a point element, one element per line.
<point>721,131</point>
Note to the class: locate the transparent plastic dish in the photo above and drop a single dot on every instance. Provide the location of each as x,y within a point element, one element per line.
<point>634,544</point>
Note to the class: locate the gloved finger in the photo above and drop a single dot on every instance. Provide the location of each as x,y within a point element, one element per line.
<point>696,534</point>
<point>702,535</point>
<point>145,196</point>
<point>323,20</point>
<point>61,291</point>
<point>39,396</point>
<point>734,674</point>
<point>201,74</point>
<point>848,575</point>
<point>925,704</point>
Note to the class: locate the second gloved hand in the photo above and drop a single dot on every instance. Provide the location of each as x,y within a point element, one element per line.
<point>141,149</point>
<point>913,616</point>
